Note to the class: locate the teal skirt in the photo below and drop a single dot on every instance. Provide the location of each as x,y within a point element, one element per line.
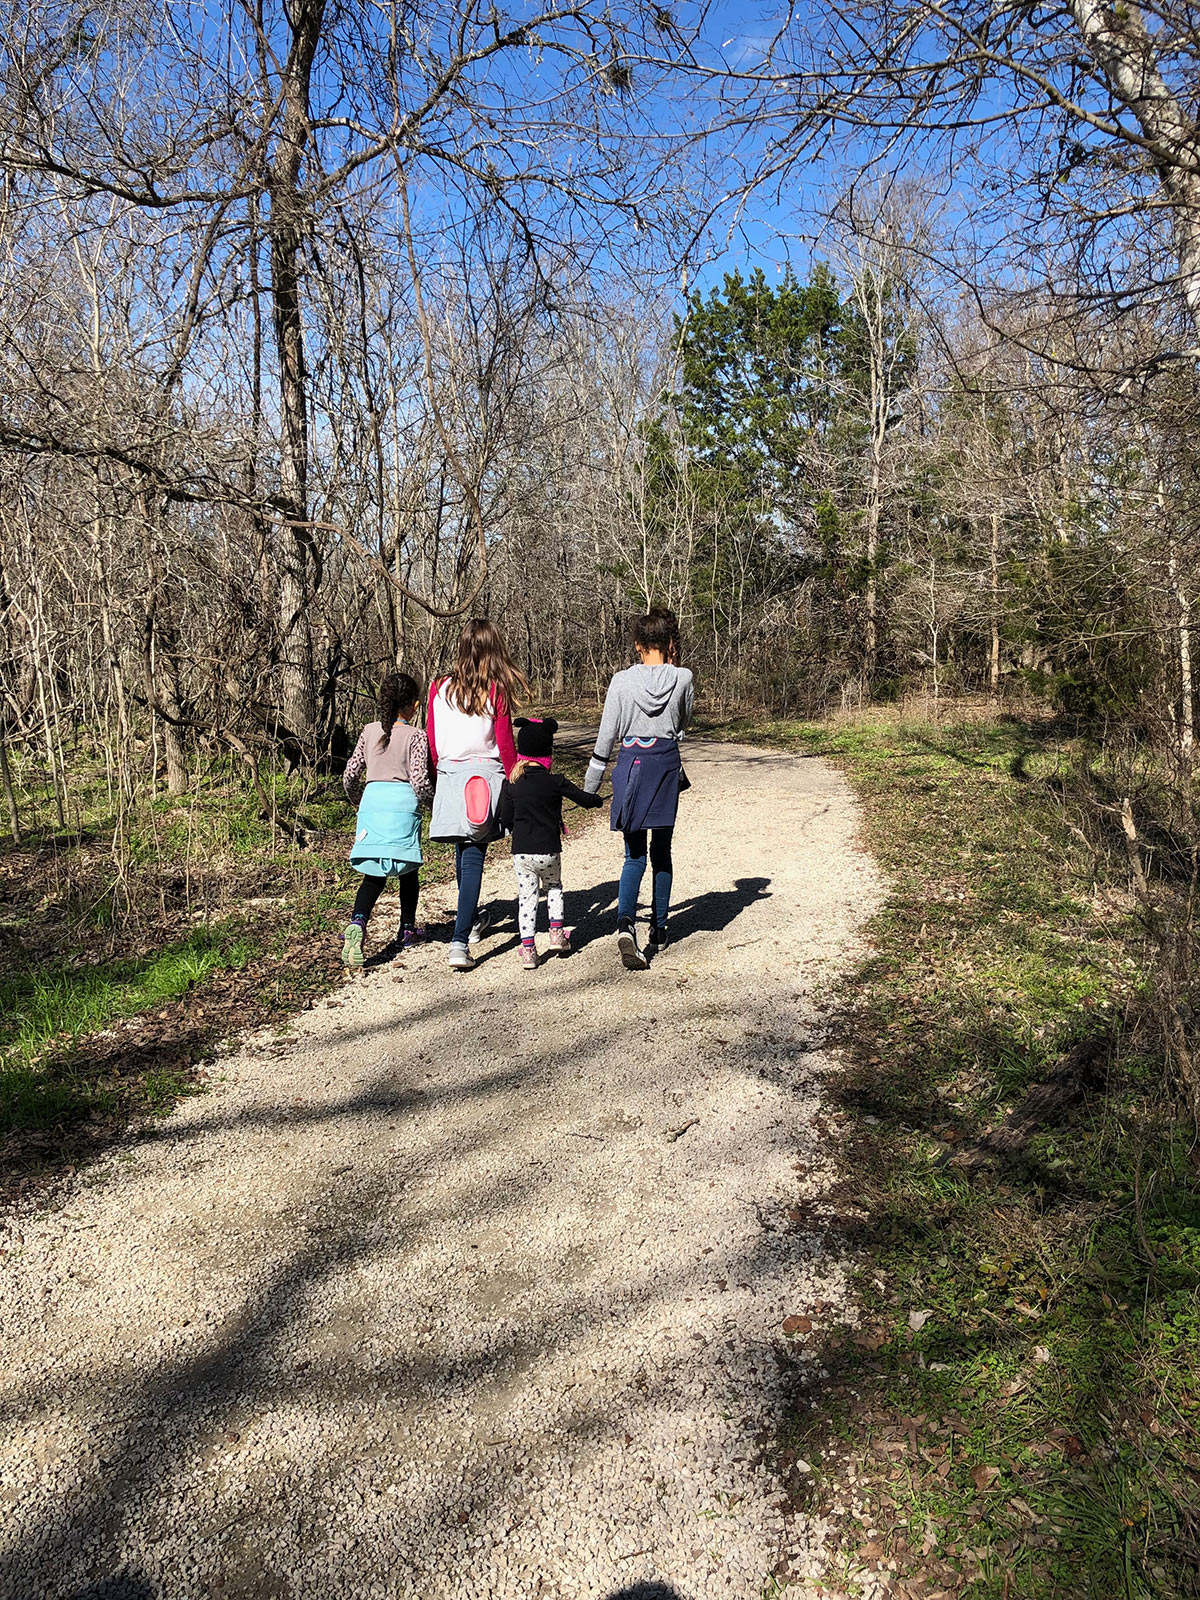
<point>387,834</point>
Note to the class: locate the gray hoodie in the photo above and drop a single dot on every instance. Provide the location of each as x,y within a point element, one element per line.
<point>641,703</point>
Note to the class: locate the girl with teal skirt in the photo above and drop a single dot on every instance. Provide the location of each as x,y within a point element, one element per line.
<point>389,776</point>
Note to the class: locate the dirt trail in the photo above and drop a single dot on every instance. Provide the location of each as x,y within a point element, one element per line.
<point>439,1300</point>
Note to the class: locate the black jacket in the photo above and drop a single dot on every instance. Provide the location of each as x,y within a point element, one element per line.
<point>531,810</point>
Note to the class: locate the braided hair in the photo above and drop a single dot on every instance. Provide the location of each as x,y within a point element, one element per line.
<point>395,692</point>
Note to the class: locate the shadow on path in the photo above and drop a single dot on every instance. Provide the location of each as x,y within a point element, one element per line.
<point>122,1586</point>
<point>592,912</point>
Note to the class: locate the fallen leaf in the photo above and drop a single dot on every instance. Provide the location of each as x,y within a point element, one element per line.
<point>871,1341</point>
<point>797,1324</point>
<point>983,1477</point>
<point>918,1319</point>
<point>1040,1353</point>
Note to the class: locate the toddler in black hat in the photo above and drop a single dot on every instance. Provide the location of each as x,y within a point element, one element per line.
<point>530,808</point>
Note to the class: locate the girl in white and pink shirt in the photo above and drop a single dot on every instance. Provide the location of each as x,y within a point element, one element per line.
<point>469,727</point>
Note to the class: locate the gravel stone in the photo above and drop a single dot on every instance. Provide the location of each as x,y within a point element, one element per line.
<point>432,1305</point>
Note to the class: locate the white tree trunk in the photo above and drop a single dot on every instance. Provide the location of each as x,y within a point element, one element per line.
<point>1117,40</point>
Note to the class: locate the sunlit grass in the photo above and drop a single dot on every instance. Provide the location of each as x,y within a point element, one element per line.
<point>43,1011</point>
<point>1063,1285</point>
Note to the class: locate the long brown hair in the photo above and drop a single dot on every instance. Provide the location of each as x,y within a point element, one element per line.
<point>483,666</point>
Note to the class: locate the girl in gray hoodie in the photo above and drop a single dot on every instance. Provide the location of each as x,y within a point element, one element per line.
<point>646,710</point>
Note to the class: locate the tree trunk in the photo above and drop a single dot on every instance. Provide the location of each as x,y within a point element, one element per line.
<point>871,553</point>
<point>874,504</point>
<point>285,229</point>
<point>1119,43</point>
<point>1185,739</point>
<point>1186,724</point>
<point>994,652</point>
<point>112,654</point>
<point>167,679</point>
<point>10,794</point>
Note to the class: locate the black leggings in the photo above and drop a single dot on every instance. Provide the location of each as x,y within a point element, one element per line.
<point>370,889</point>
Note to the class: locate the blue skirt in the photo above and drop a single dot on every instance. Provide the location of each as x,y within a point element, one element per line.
<point>387,836</point>
<point>645,785</point>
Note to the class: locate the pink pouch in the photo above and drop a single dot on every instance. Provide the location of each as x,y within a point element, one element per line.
<point>478,798</point>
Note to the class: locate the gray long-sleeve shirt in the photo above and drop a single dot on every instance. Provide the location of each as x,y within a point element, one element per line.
<point>642,703</point>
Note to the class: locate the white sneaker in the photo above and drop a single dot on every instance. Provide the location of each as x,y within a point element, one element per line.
<point>461,958</point>
<point>483,921</point>
<point>631,956</point>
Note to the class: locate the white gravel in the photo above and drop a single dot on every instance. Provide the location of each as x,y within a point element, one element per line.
<point>429,1303</point>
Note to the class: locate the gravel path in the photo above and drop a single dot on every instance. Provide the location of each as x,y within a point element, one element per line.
<point>438,1299</point>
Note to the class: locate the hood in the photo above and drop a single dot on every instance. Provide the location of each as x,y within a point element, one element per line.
<point>652,687</point>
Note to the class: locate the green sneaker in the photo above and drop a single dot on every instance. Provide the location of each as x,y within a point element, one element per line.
<point>352,954</point>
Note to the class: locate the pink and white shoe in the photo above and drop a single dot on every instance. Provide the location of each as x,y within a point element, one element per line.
<point>529,957</point>
<point>560,942</point>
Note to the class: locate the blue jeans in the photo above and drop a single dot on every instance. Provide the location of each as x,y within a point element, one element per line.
<point>634,870</point>
<point>468,874</point>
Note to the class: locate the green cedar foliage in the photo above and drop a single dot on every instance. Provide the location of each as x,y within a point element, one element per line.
<point>757,463</point>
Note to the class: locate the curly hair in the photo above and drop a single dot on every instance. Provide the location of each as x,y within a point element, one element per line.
<point>396,691</point>
<point>659,630</point>
<point>483,666</point>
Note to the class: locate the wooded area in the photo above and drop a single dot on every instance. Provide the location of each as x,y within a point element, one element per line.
<point>320,330</point>
<point>324,327</point>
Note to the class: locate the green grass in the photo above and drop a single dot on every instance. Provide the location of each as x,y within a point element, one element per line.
<point>44,1011</point>
<point>118,884</point>
<point>1062,1347</point>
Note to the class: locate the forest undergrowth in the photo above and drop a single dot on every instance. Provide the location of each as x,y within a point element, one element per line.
<point>136,939</point>
<point>1016,1414</point>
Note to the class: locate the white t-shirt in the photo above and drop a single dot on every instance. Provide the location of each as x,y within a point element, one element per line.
<point>460,737</point>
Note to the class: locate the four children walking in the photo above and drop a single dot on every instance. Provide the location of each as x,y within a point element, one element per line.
<point>480,783</point>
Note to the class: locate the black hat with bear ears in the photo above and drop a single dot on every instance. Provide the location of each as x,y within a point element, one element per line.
<point>535,737</point>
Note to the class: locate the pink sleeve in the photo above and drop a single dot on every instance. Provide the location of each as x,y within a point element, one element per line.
<point>433,689</point>
<point>502,725</point>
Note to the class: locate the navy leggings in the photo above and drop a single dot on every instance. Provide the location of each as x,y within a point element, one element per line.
<point>468,874</point>
<point>634,870</point>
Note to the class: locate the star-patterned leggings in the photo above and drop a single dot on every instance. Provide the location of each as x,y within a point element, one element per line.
<point>534,873</point>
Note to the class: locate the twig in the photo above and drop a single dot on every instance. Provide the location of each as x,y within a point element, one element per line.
<point>678,1133</point>
<point>1133,847</point>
